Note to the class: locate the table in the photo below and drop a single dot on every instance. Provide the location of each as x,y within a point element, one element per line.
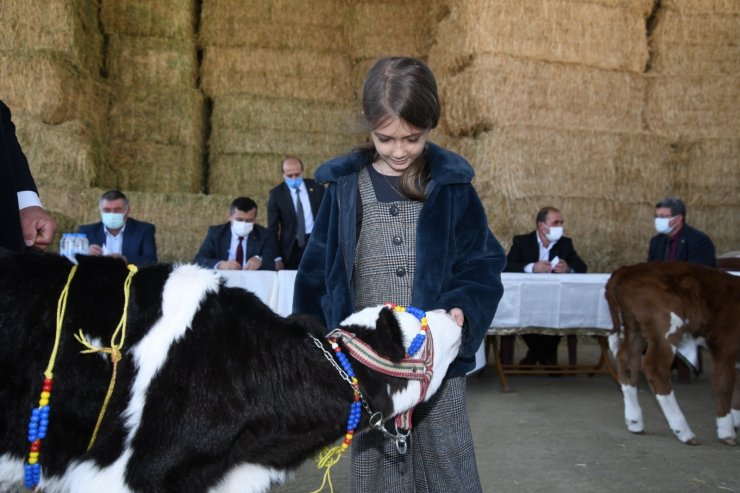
<point>561,304</point>
<point>558,304</point>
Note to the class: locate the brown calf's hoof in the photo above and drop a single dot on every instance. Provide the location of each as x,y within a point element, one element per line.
<point>694,441</point>
<point>728,441</point>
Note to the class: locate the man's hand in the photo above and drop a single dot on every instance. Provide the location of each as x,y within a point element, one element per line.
<point>561,267</point>
<point>96,250</point>
<point>38,227</point>
<point>229,265</point>
<point>254,263</point>
<point>542,266</point>
<point>279,265</point>
<point>458,315</point>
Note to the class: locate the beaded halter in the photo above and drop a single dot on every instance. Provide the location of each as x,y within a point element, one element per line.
<point>411,369</point>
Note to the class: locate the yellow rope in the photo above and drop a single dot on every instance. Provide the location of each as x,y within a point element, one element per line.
<point>327,458</point>
<point>61,308</point>
<point>114,350</point>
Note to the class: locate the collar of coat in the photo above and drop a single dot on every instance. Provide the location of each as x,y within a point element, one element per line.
<point>446,167</point>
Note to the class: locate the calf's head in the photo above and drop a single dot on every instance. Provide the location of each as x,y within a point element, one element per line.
<point>390,334</point>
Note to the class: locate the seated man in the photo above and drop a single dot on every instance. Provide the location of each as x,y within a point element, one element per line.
<point>239,244</point>
<point>676,240</point>
<point>541,251</point>
<point>118,235</point>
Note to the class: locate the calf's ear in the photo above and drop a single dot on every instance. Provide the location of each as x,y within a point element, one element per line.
<point>387,339</point>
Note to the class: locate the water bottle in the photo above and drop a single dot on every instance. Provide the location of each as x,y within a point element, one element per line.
<point>81,244</point>
<point>66,246</point>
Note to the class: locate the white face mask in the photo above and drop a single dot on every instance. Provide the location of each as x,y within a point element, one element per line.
<point>661,225</point>
<point>241,228</point>
<point>113,220</point>
<point>556,232</point>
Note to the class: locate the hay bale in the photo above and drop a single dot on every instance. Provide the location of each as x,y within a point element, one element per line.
<point>147,61</point>
<point>554,30</point>
<point>499,90</point>
<point>696,44</point>
<point>70,28</point>
<point>276,73</point>
<point>268,141</point>
<point>245,112</point>
<point>152,167</point>
<point>50,87</point>
<point>306,26</point>
<point>703,6</point>
<point>524,161</point>
<point>712,174</point>
<point>252,174</point>
<point>172,117</point>
<point>66,155</point>
<point>694,107</point>
<point>367,41</point>
<point>160,18</point>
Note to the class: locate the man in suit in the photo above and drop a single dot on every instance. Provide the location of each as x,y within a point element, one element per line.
<point>118,235</point>
<point>23,221</point>
<point>676,240</point>
<point>240,244</point>
<point>542,251</point>
<point>294,195</point>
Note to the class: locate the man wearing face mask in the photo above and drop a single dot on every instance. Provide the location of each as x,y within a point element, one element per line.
<point>545,250</point>
<point>676,240</point>
<point>239,244</point>
<point>118,235</point>
<point>291,209</point>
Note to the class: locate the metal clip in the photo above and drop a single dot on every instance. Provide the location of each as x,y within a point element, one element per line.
<point>402,441</point>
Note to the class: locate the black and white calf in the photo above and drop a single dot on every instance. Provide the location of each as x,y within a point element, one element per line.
<point>215,392</point>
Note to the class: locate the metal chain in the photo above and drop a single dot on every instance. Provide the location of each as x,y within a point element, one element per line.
<point>376,418</point>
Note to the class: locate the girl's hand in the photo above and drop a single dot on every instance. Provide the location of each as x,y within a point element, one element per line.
<point>458,315</point>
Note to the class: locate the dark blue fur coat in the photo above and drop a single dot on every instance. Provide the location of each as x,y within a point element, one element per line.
<point>458,260</point>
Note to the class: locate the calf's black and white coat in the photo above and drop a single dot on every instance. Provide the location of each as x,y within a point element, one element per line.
<point>215,392</point>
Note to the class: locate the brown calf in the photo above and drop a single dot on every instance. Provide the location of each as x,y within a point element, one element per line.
<point>653,307</point>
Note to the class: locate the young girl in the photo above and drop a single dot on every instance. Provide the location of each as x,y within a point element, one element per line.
<point>401,222</point>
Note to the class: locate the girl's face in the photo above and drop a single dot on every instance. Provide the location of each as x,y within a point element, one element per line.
<point>398,144</point>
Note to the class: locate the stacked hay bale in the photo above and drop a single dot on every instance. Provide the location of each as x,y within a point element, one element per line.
<point>693,100</point>
<point>50,60</point>
<point>545,97</point>
<point>278,75</point>
<point>156,113</point>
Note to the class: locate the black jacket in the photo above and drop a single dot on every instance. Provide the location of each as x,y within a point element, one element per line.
<point>281,214</point>
<point>15,176</point>
<point>525,250</point>
<point>694,247</point>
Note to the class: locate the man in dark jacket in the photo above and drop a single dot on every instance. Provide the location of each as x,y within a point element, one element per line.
<point>23,222</point>
<point>295,195</point>
<point>118,235</point>
<point>544,250</point>
<point>240,244</point>
<point>676,240</point>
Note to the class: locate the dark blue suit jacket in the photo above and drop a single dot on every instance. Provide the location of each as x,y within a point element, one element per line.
<point>694,247</point>
<point>215,247</point>
<point>282,220</point>
<point>525,250</point>
<point>15,177</point>
<point>139,246</point>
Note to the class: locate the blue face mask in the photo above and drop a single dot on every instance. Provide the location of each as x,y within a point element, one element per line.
<point>294,182</point>
<point>113,220</point>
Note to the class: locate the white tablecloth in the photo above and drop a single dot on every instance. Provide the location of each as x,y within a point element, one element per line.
<point>540,301</point>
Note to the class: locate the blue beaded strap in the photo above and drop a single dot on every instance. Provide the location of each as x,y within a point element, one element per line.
<point>418,341</point>
<point>355,409</point>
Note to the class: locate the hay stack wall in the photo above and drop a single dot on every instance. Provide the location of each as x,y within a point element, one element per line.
<point>156,114</point>
<point>582,105</point>
<point>599,107</point>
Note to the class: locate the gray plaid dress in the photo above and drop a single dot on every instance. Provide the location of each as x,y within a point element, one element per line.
<point>440,457</point>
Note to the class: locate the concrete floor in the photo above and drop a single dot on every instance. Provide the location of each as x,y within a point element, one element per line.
<point>567,434</point>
